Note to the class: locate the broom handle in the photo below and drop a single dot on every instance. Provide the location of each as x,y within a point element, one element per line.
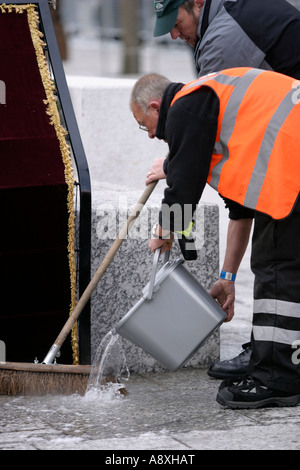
<point>98,275</point>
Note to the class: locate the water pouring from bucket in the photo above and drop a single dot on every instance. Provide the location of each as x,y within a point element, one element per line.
<point>109,368</point>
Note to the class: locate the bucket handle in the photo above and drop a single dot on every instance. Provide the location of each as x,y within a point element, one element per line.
<point>154,269</point>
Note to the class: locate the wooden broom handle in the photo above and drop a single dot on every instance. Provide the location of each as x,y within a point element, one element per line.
<point>104,265</point>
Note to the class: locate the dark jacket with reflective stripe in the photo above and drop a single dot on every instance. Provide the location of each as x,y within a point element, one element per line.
<point>249,33</point>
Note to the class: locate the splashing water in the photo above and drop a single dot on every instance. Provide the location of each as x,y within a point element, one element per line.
<point>109,366</point>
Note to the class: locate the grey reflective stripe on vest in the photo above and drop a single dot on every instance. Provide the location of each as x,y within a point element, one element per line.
<point>229,119</point>
<point>262,161</point>
<point>218,77</point>
<point>241,85</point>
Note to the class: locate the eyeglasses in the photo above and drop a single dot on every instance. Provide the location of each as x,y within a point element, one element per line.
<point>143,128</point>
<point>142,125</point>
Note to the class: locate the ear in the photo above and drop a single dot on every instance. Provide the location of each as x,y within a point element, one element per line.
<point>155,104</point>
<point>199,4</point>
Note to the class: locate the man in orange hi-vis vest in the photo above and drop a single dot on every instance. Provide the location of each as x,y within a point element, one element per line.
<point>226,34</point>
<point>238,130</point>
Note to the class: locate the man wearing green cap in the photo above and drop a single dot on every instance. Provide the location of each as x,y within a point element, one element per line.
<point>225,34</point>
<point>178,12</point>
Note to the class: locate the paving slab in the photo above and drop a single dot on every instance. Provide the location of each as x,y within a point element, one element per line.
<point>163,411</point>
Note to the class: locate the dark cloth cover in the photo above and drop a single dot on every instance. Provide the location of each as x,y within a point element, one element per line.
<point>37,274</point>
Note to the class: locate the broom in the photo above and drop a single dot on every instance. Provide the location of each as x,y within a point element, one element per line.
<point>47,378</point>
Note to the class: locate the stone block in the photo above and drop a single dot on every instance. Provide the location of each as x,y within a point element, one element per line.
<point>121,286</point>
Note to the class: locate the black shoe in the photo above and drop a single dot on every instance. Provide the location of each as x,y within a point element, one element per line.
<point>251,393</point>
<point>235,368</point>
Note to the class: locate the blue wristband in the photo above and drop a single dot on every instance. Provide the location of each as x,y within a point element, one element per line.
<point>227,276</point>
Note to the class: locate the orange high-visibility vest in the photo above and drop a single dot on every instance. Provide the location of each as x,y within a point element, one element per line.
<point>256,158</point>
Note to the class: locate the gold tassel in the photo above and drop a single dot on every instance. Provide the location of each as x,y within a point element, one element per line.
<point>52,111</point>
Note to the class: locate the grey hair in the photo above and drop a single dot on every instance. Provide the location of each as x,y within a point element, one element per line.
<point>148,87</point>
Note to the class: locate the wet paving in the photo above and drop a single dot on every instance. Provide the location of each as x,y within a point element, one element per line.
<point>162,411</point>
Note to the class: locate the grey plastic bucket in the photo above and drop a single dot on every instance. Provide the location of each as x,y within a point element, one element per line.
<point>174,316</point>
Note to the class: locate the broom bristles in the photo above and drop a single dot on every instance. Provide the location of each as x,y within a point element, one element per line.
<point>31,383</point>
<point>38,383</point>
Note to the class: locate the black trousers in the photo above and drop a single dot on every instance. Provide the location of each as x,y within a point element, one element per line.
<point>275,262</point>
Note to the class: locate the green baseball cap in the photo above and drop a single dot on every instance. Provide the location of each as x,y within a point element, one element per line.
<point>166,15</point>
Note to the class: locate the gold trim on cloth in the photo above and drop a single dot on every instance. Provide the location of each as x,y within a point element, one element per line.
<point>52,111</point>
